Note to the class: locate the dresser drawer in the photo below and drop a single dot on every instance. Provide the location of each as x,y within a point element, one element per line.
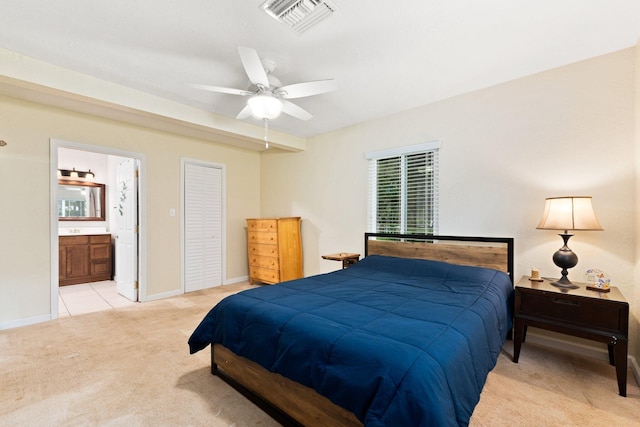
<point>73,240</point>
<point>264,275</point>
<point>101,268</point>
<point>586,312</point>
<point>101,251</point>
<point>104,238</point>
<point>267,238</point>
<point>263,250</point>
<point>262,225</point>
<point>270,263</point>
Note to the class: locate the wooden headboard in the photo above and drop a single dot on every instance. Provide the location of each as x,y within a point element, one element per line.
<point>490,252</point>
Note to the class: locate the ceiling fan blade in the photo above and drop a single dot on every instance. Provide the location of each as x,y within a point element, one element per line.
<point>253,66</point>
<point>300,90</point>
<point>293,110</point>
<point>223,89</point>
<point>246,112</point>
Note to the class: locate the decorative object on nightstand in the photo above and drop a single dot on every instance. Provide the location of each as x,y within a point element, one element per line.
<point>568,213</point>
<point>597,280</point>
<point>348,259</point>
<point>535,275</point>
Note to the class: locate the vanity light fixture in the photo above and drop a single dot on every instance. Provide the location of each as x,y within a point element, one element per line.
<point>74,174</point>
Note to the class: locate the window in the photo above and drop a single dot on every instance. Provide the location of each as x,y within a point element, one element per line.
<point>403,189</point>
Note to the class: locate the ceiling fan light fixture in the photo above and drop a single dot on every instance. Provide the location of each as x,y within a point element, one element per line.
<point>267,97</point>
<point>265,106</point>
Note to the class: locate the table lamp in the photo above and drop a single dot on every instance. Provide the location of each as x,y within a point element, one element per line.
<point>568,213</point>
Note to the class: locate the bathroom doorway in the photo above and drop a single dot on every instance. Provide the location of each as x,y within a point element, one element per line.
<point>122,174</point>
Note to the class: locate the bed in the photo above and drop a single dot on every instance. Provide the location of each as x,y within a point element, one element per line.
<point>407,336</point>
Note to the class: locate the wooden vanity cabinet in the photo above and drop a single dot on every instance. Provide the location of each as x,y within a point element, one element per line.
<point>84,258</point>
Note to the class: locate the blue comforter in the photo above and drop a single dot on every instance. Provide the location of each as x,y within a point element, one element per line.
<point>399,342</point>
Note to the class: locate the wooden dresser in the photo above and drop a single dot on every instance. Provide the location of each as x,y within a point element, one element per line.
<point>84,258</point>
<point>275,249</point>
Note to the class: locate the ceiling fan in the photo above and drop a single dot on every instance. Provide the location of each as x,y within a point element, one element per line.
<point>267,97</point>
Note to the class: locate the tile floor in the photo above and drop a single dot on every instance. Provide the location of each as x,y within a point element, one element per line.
<point>89,297</point>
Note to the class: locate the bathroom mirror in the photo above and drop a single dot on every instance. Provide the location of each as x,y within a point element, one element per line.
<point>80,201</point>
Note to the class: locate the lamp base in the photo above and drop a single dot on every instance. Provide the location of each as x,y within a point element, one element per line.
<point>564,283</point>
<point>565,259</point>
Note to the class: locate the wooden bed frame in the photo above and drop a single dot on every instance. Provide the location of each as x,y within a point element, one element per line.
<point>292,404</point>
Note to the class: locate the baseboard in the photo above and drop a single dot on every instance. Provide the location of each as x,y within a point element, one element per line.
<point>578,346</point>
<point>163,295</point>
<point>47,317</point>
<point>178,292</point>
<point>236,280</point>
<point>583,349</point>
<point>25,322</point>
<point>635,368</point>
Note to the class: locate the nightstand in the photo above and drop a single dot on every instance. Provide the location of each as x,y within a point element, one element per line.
<point>597,316</point>
<point>348,259</point>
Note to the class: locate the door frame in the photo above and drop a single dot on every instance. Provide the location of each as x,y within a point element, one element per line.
<point>54,144</point>
<point>223,167</point>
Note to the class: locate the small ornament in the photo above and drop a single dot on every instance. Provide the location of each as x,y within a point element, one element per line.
<point>597,280</point>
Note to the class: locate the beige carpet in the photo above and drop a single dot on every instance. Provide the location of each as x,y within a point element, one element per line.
<point>131,367</point>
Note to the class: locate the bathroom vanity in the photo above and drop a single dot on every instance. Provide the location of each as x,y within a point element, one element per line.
<point>84,258</point>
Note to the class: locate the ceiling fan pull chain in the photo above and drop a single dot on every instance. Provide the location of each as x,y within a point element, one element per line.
<point>266,133</point>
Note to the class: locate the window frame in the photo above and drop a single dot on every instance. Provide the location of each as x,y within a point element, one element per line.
<point>402,152</point>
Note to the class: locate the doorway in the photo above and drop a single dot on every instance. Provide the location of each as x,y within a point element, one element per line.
<point>130,266</point>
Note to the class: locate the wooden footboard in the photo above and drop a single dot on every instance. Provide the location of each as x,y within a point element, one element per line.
<point>289,402</point>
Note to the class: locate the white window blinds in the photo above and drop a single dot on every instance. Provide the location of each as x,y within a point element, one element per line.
<point>403,190</point>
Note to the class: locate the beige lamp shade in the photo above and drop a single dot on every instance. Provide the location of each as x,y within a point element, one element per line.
<point>569,213</point>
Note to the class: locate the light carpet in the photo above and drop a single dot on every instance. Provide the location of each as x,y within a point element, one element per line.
<point>131,367</point>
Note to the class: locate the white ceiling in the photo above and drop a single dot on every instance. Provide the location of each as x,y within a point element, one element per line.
<point>387,56</point>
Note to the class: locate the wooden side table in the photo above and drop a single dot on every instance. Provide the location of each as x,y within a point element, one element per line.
<point>348,259</point>
<point>583,313</point>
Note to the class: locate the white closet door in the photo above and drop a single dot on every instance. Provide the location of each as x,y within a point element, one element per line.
<point>203,227</point>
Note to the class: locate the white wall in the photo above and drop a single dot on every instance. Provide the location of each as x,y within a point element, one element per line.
<point>25,258</point>
<point>567,131</point>
<point>81,160</point>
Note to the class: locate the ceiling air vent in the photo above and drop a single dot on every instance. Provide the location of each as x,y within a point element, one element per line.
<point>299,15</point>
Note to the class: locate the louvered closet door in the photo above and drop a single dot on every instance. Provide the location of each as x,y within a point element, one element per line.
<point>203,227</point>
